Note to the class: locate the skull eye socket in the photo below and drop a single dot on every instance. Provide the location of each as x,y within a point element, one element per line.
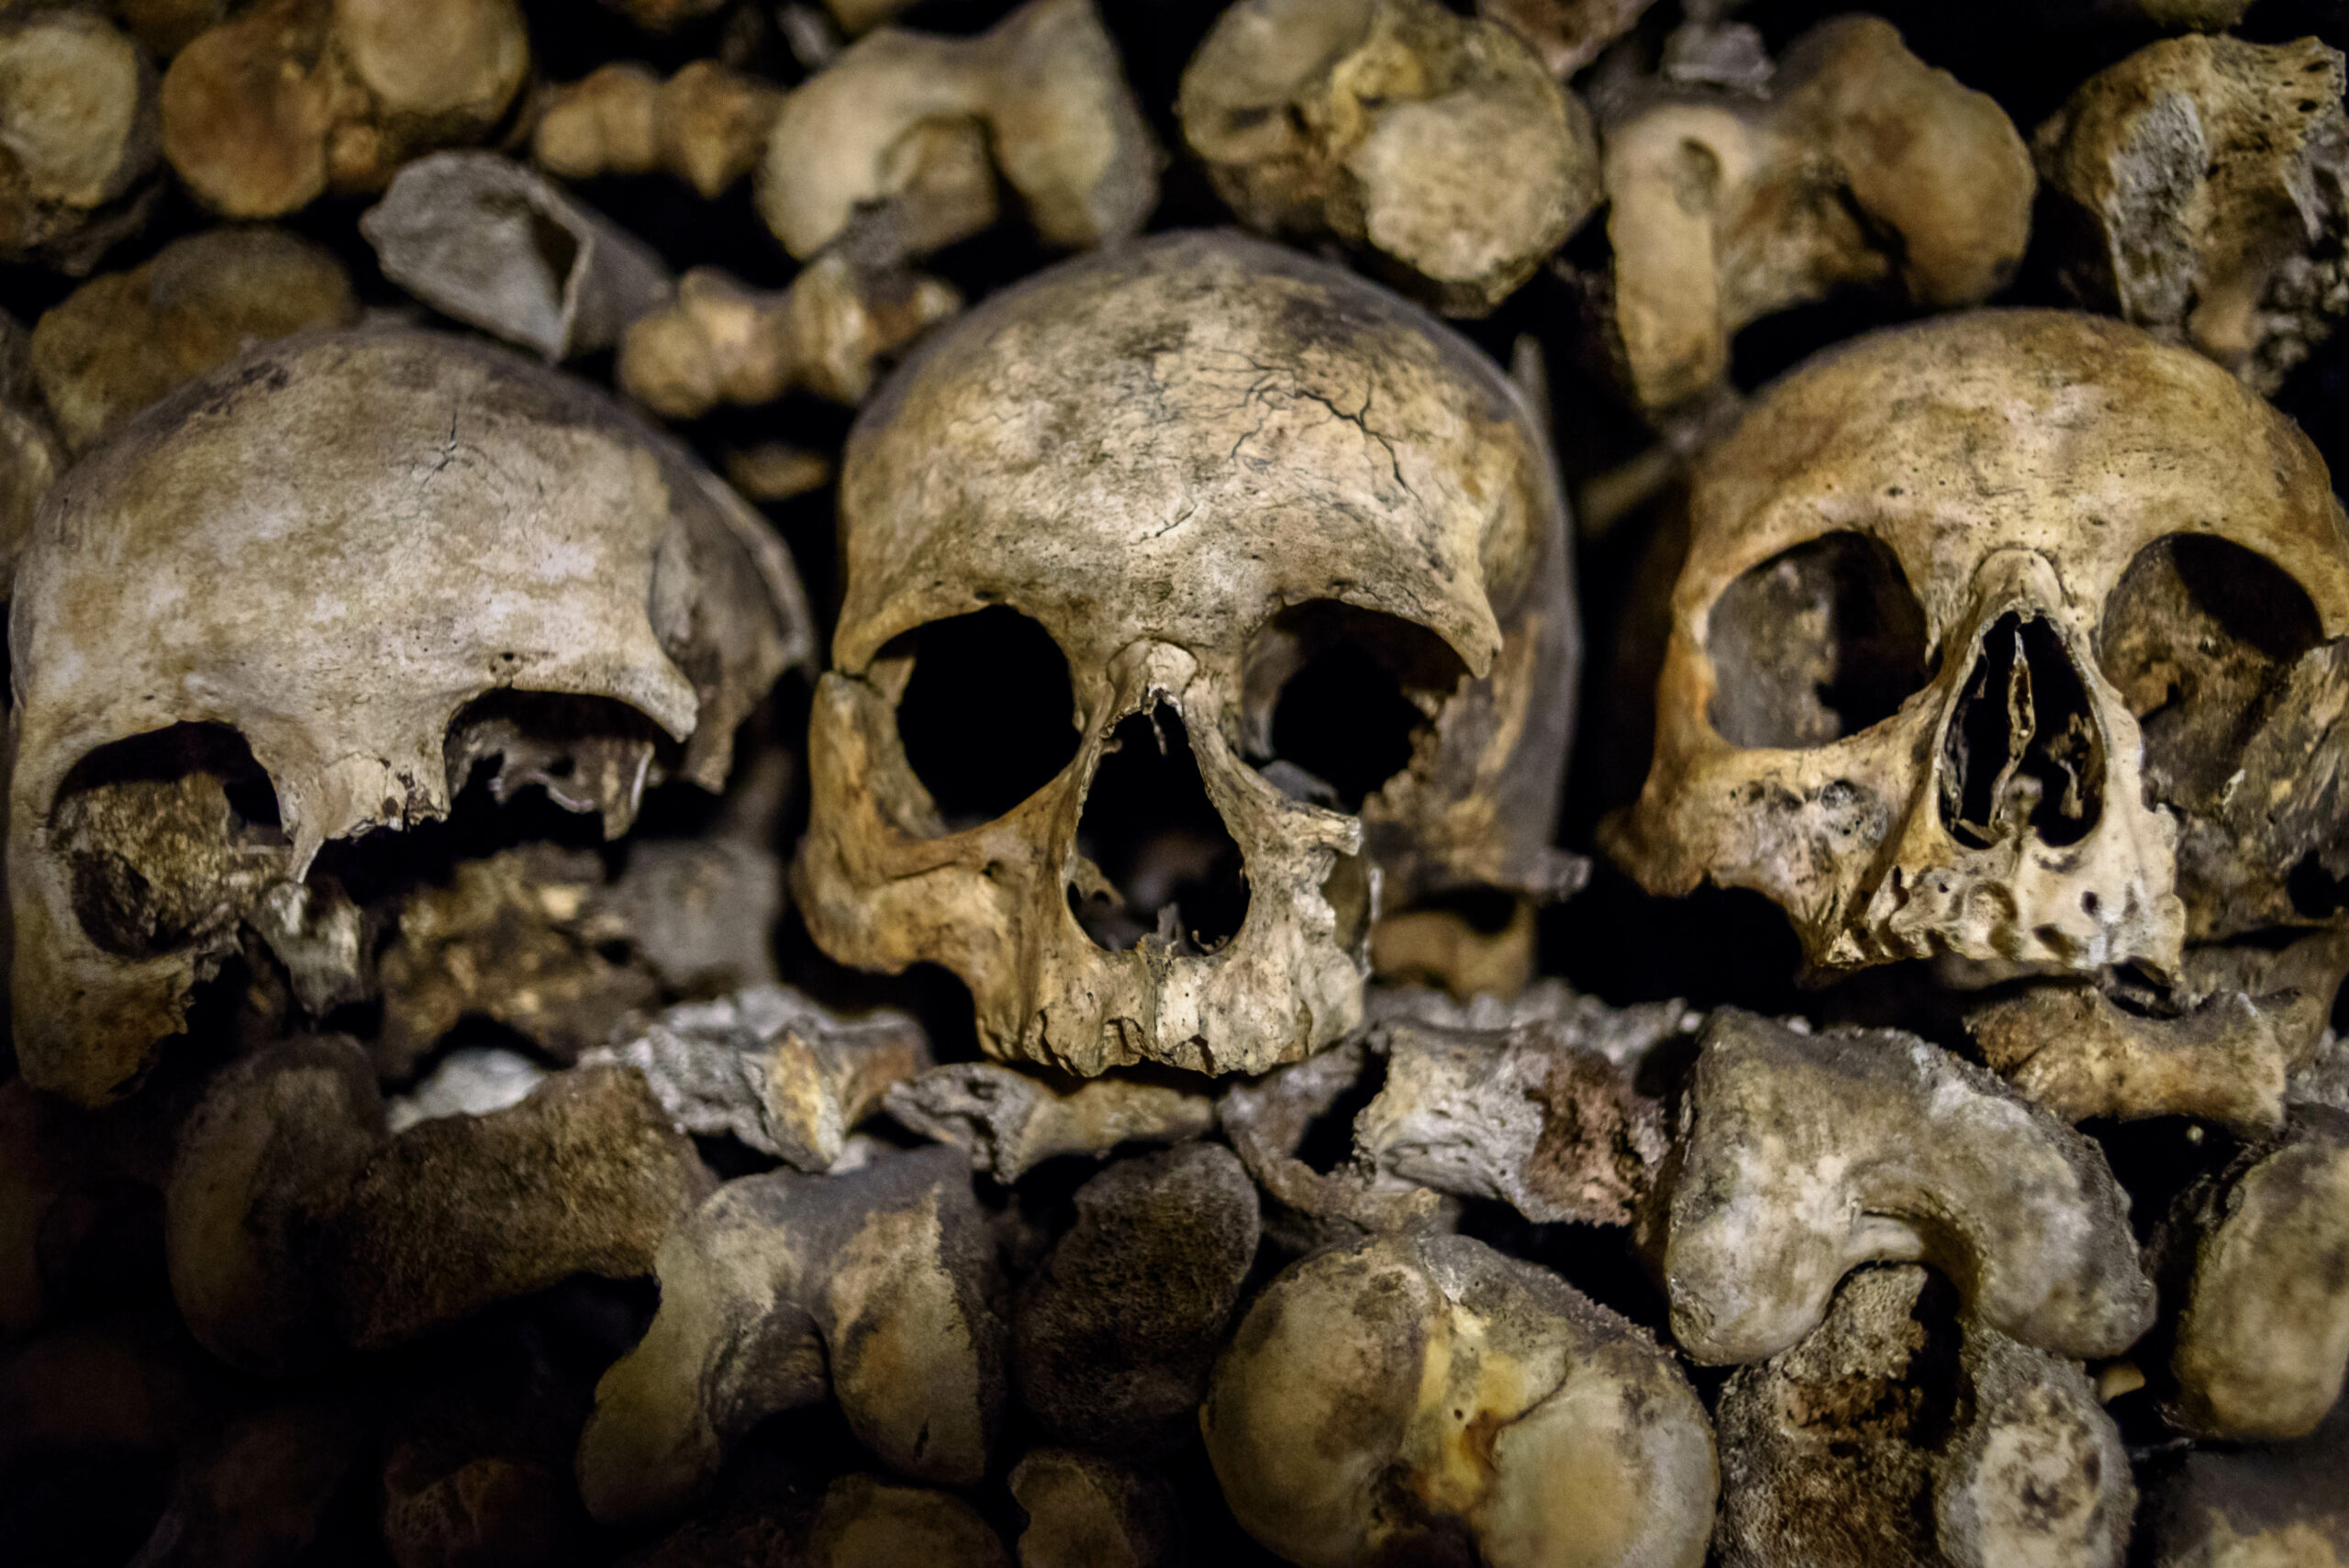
<point>1815,644</point>
<point>2199,636</point>
<point>167,838</point>
<point>1335,699</point>
<point>986,716</point>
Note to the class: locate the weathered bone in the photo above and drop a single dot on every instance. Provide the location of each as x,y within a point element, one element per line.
<point>875,1283</point>
<point>430,481</point>
<point>830,332</point>
<point>289,99</point>
<point>78,136</point>
<point>707,125</point>
<point>1875,1440</point>
<point>1438,143</point>
<point>1115,1331</point>
<point>1088,1512</point>
<point>1012,1119</point>
<point>1335,442</point>
<point>123,340</point>
<point>2062,791</point>
<point>2262,1334</point>
<point>774,1069</point>
<point>1716,219</point>
<point>901,138</point>
<point>294,1228</point>
<point>1469,1393</point>
<point>2202,181</point>
<point>500,247</point>
<point>1803,1156</point>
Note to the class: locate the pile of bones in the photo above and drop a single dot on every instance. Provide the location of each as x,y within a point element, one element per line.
<point>789,784</point>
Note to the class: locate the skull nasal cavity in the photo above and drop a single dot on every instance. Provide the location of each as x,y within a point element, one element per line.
<point>2023,751</point>
<point>1174,873</point>
<point>987,717</point>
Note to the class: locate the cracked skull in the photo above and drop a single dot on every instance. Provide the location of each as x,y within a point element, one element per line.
<point>1202,601</point>
<point>2004,637</point>
<point>300,600</point>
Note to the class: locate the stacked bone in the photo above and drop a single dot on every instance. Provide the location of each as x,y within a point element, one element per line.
<point>1096,1043</point>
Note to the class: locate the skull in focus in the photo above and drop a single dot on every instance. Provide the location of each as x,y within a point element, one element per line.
<point>1202,600</point>
<point>299,601</point>
<point>2008,637</point>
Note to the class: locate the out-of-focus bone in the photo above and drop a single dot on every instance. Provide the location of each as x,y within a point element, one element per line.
<point>1011,1119</point>
<point>2201,179</point>
<point>78,135</point>
<point>2263,1338</point>
<point>876,1282</point>
<point>253,1472</point>
<point>707,125</point>
<point>1088,1512</point>
<point>776,471</point>
<point>122,341</point>
<point>265,1165</point>
<point>2076,1051</point>
<point>124,1381</point>
<point>75,1186</point>
<point>1117,1326</point>
<point>476,1455</point>
<point>1267,1121</point>
<point>721,342</point>
<point>774,1069</point>
<point>1863,166</point>
<point>1437,142</point>
<point>1566,33</point>
<point>1891,1434</point>
<point>293,1227</point>
<point>519,937</point>
<point>292,98</point>
<point>1800,1157</point>
<point>254,1485</point>
<point>903,134</point>
<point>867,1522</point>
<point>473,1080</point>
<point>1418,947</point>
<point>497,245</point>
<point>30,455</point>
<point>581,1176</point>
<point>1540,1115</point>
<point>1384,1400</point>
<point>2280,1505</point>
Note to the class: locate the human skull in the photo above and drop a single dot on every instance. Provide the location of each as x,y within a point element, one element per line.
<point>298,600</point>
<point>1979,621</point>
<point>1202,476</point>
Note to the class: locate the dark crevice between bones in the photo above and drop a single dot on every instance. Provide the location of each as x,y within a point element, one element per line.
<point>1817,643</point>
<point>1335,698</point>
<point>1154,834</point>
<point>2023,752</point>
<point>986,718</point>
<point>1328,1139</point>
